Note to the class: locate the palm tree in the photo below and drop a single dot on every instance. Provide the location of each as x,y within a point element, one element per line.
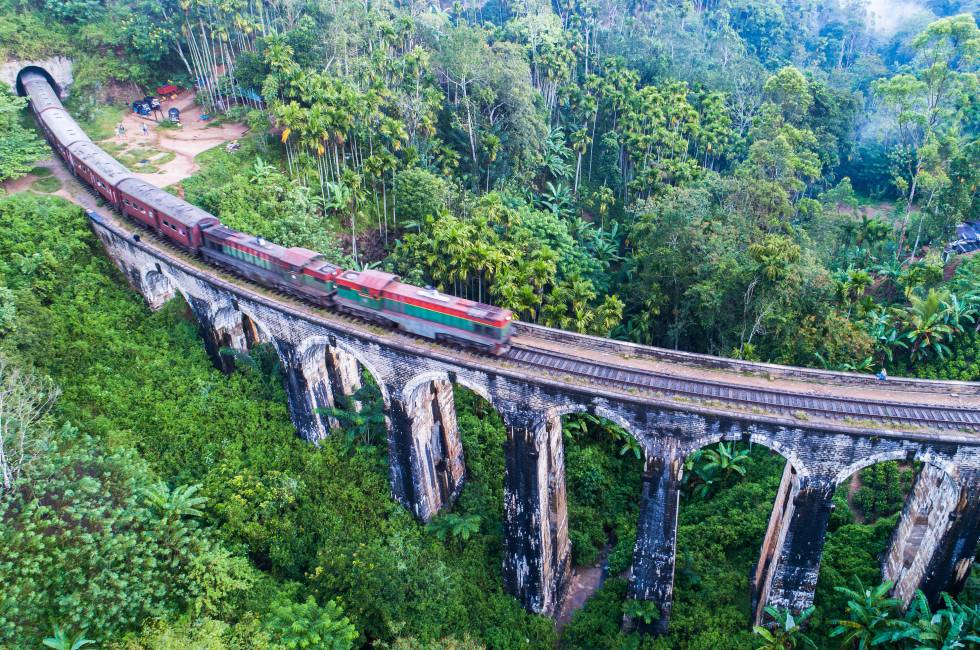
<point>457,527</point>
<point>491,145</point>
<point>361,416</point>
<point>177,503</point>
<point>925,326</point>
<point>341,198</point>
<point>61,640</point>
<point>642,610</point>
<point>954,626</point>
<point>785,631</point>
<point>726,460</point>
<point>629,443</point>
<point>957,313</point>
<point>871,616</point>
<point>557,199</point>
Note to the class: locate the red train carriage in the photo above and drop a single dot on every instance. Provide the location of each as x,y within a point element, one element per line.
<point>40,92</point>
<point>173,217</point>
<point>98,169</point>
<point>373,295</point>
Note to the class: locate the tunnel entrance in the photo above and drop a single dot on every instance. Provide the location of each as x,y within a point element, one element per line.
<point>39,70</point>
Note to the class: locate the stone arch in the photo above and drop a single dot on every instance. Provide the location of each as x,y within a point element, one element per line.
<point>311,346</point>
<point>755,438</point>
<point>158,287</point>
<point>429,432</point>
<point>900,453</point>
<point>420,380</point>
<point>930,548</point>
<point>19,86</point>
<point>652,570</point>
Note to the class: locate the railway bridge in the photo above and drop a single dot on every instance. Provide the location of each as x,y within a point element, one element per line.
<point>827,426</point>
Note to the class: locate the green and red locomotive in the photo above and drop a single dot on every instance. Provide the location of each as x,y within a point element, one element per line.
<point>373,295</point>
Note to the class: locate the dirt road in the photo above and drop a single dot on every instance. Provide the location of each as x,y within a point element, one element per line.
<point>193,137</point>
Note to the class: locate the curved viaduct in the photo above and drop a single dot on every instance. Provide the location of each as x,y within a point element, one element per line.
<point>827,426</point>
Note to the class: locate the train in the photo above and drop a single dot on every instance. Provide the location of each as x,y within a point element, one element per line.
<point>369,294</point>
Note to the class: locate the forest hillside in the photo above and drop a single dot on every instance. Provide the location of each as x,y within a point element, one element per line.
<point>790,181</point>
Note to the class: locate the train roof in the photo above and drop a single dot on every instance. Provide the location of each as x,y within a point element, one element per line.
<point>63,127</point>
<point>388,283</point>
<point>166,203</point>
<point>40,92</point>
<point>100,162</point>
<point>473,309</point>
<point>294,256</point>
<point>376,280</point>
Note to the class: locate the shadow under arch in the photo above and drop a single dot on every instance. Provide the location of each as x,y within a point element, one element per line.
<point>38,69</point>
<point>751,438</point>
<point>899,518</point>
<point>311,349</point>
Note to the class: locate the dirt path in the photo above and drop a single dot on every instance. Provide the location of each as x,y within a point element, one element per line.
<point>852,488</point>
<point>71,189</point>
<point>192,138</point>
<point>184,144</point>
<point>585,581</point>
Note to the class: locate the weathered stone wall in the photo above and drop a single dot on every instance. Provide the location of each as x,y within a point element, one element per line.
<point>435,441</point>
<point>936,536</point>
<point>426,459</point>
<point>59,68</point>
<point>537,553</point>
<point>652,572</point>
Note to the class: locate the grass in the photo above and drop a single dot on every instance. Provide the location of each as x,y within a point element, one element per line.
<point>46,185</point>
<point>101,121</point>
<point>40,172</point>
<point>146,160</point>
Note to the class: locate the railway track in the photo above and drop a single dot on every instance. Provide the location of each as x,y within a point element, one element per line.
<point>746,399</point>
<point>837,408</point>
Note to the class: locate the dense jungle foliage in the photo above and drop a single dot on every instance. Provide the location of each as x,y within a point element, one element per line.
<point>159,504</point>
<point>773,180</point>
<point>766,179</point>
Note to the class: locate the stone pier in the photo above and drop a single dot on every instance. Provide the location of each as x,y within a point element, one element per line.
<point>537,553</point>
<point>789,563</point>
<point>934,544</point>
<point>652,573</point>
